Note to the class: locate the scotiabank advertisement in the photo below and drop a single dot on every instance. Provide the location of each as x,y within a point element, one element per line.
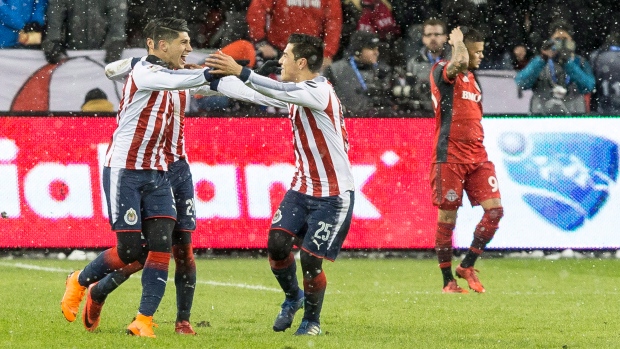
<point>51,194</point>
<point>557,176</point>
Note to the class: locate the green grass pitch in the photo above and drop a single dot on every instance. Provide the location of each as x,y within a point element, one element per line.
<point>370,303</point>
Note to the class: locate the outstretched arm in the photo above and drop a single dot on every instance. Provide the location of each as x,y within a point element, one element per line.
<point>234,88</point>
<point>288,92</point>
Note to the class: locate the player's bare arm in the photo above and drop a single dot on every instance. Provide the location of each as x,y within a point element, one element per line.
<point>223,64</point>
<point>460,56</point>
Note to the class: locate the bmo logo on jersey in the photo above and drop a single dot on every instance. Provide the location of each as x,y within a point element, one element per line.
<point>566,175</point>
<point>476,97</point>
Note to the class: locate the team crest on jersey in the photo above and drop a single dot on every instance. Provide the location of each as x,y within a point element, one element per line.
<point>277,217</point>
<point>131,217</point>
<point>451,195</point>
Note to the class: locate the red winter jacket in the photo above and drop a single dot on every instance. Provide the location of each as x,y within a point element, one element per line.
<point>379,19</point>
<point>321,18</point>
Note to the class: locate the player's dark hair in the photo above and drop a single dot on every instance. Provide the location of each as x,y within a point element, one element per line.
<point>472,35</point>
<point>166,29</point>
<point>308,47</point>
<point>433,22</point>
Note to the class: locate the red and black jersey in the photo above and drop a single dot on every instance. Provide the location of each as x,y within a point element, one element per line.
<point>458,111</point>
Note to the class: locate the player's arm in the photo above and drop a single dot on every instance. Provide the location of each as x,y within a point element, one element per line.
<point>149,76</point>
<point>119,70</point>
<point>234,88</point>
<point>460,57</point>
<point>305,94</point>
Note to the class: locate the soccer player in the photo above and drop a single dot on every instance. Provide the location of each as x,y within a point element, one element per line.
<point>315,212</point>
<point>138,192</point>
<point>181,182</point>
<point>459,159</point>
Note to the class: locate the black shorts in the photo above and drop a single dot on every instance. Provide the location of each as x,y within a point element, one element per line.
<point>135,195</point>
<point>322,223</point>
<point>180,179</point>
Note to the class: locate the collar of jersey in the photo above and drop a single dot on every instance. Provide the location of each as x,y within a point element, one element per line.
<point>156,60</point>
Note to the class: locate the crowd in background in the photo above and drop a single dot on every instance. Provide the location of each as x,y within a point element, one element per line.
<point>376,50</point>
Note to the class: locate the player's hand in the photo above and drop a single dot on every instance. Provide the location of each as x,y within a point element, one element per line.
<point>456,36</point>
<point>223,64</point>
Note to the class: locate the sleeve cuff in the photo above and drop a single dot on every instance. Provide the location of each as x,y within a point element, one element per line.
<point>134,61</point>
<point>208,75</point>
<point>245,74</point>
<point>214,84</point>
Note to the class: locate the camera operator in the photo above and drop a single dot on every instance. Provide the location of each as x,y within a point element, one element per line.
<point>361,82</point>
<point>558,78</point>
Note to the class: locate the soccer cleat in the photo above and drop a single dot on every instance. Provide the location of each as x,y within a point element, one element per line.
<point>142,326</point>
<point>91,314</point>
<point>184,327</point>
<point>284,319</point>
<point>308,328</point>
<point>452,287</point>
<point>469,274</point>
<point>74,293</point>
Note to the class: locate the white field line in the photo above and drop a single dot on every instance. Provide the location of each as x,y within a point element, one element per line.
<point>211,283</point>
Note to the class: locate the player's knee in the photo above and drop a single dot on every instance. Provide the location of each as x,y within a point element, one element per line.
<point>493,215</point>
<point>159,234</point>
<point>312,266</point>
<point>279,244</point>
<point>130,254</point>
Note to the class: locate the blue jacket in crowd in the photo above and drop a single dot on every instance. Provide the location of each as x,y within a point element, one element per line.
<point>545,77</point>
<point>15,14</point>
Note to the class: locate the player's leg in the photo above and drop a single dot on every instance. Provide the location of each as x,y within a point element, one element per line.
<point>180,178</point>
<point>288,221</point>
<point>482,188</point>
<point>159,220</point>
<point>122,190</point>
<point>329,221</point>
<point>99,291</point>
<point>315,284</point>
<point>447,196</point>
<point>184,279</point>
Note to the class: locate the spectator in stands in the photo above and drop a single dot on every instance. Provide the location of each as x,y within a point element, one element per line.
<point>85,25</point>
<point>234,26</point>
<point>377,17</point>
<point>558,77</point>
<point>360,81</point>
<point>97,101</point>
<point>317,18</point>
<point>417,80</point>
<point>520,57</point>
<point>203,18</point>
<point>606,65</point>
<point>21,22</point>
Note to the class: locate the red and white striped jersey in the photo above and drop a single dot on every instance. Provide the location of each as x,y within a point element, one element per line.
<point>319,135</point>
<point>149,134</point>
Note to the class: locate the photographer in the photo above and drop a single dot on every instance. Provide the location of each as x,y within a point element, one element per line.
<point>361,82</point>
<point>559,78</point>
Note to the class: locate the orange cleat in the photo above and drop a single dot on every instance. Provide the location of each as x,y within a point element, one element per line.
<point>74,293</point>
<point>142,326</point>
<point>452,287</point>
<point>469,274</point>
<point>91,314</point>
<point>184,327</point>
